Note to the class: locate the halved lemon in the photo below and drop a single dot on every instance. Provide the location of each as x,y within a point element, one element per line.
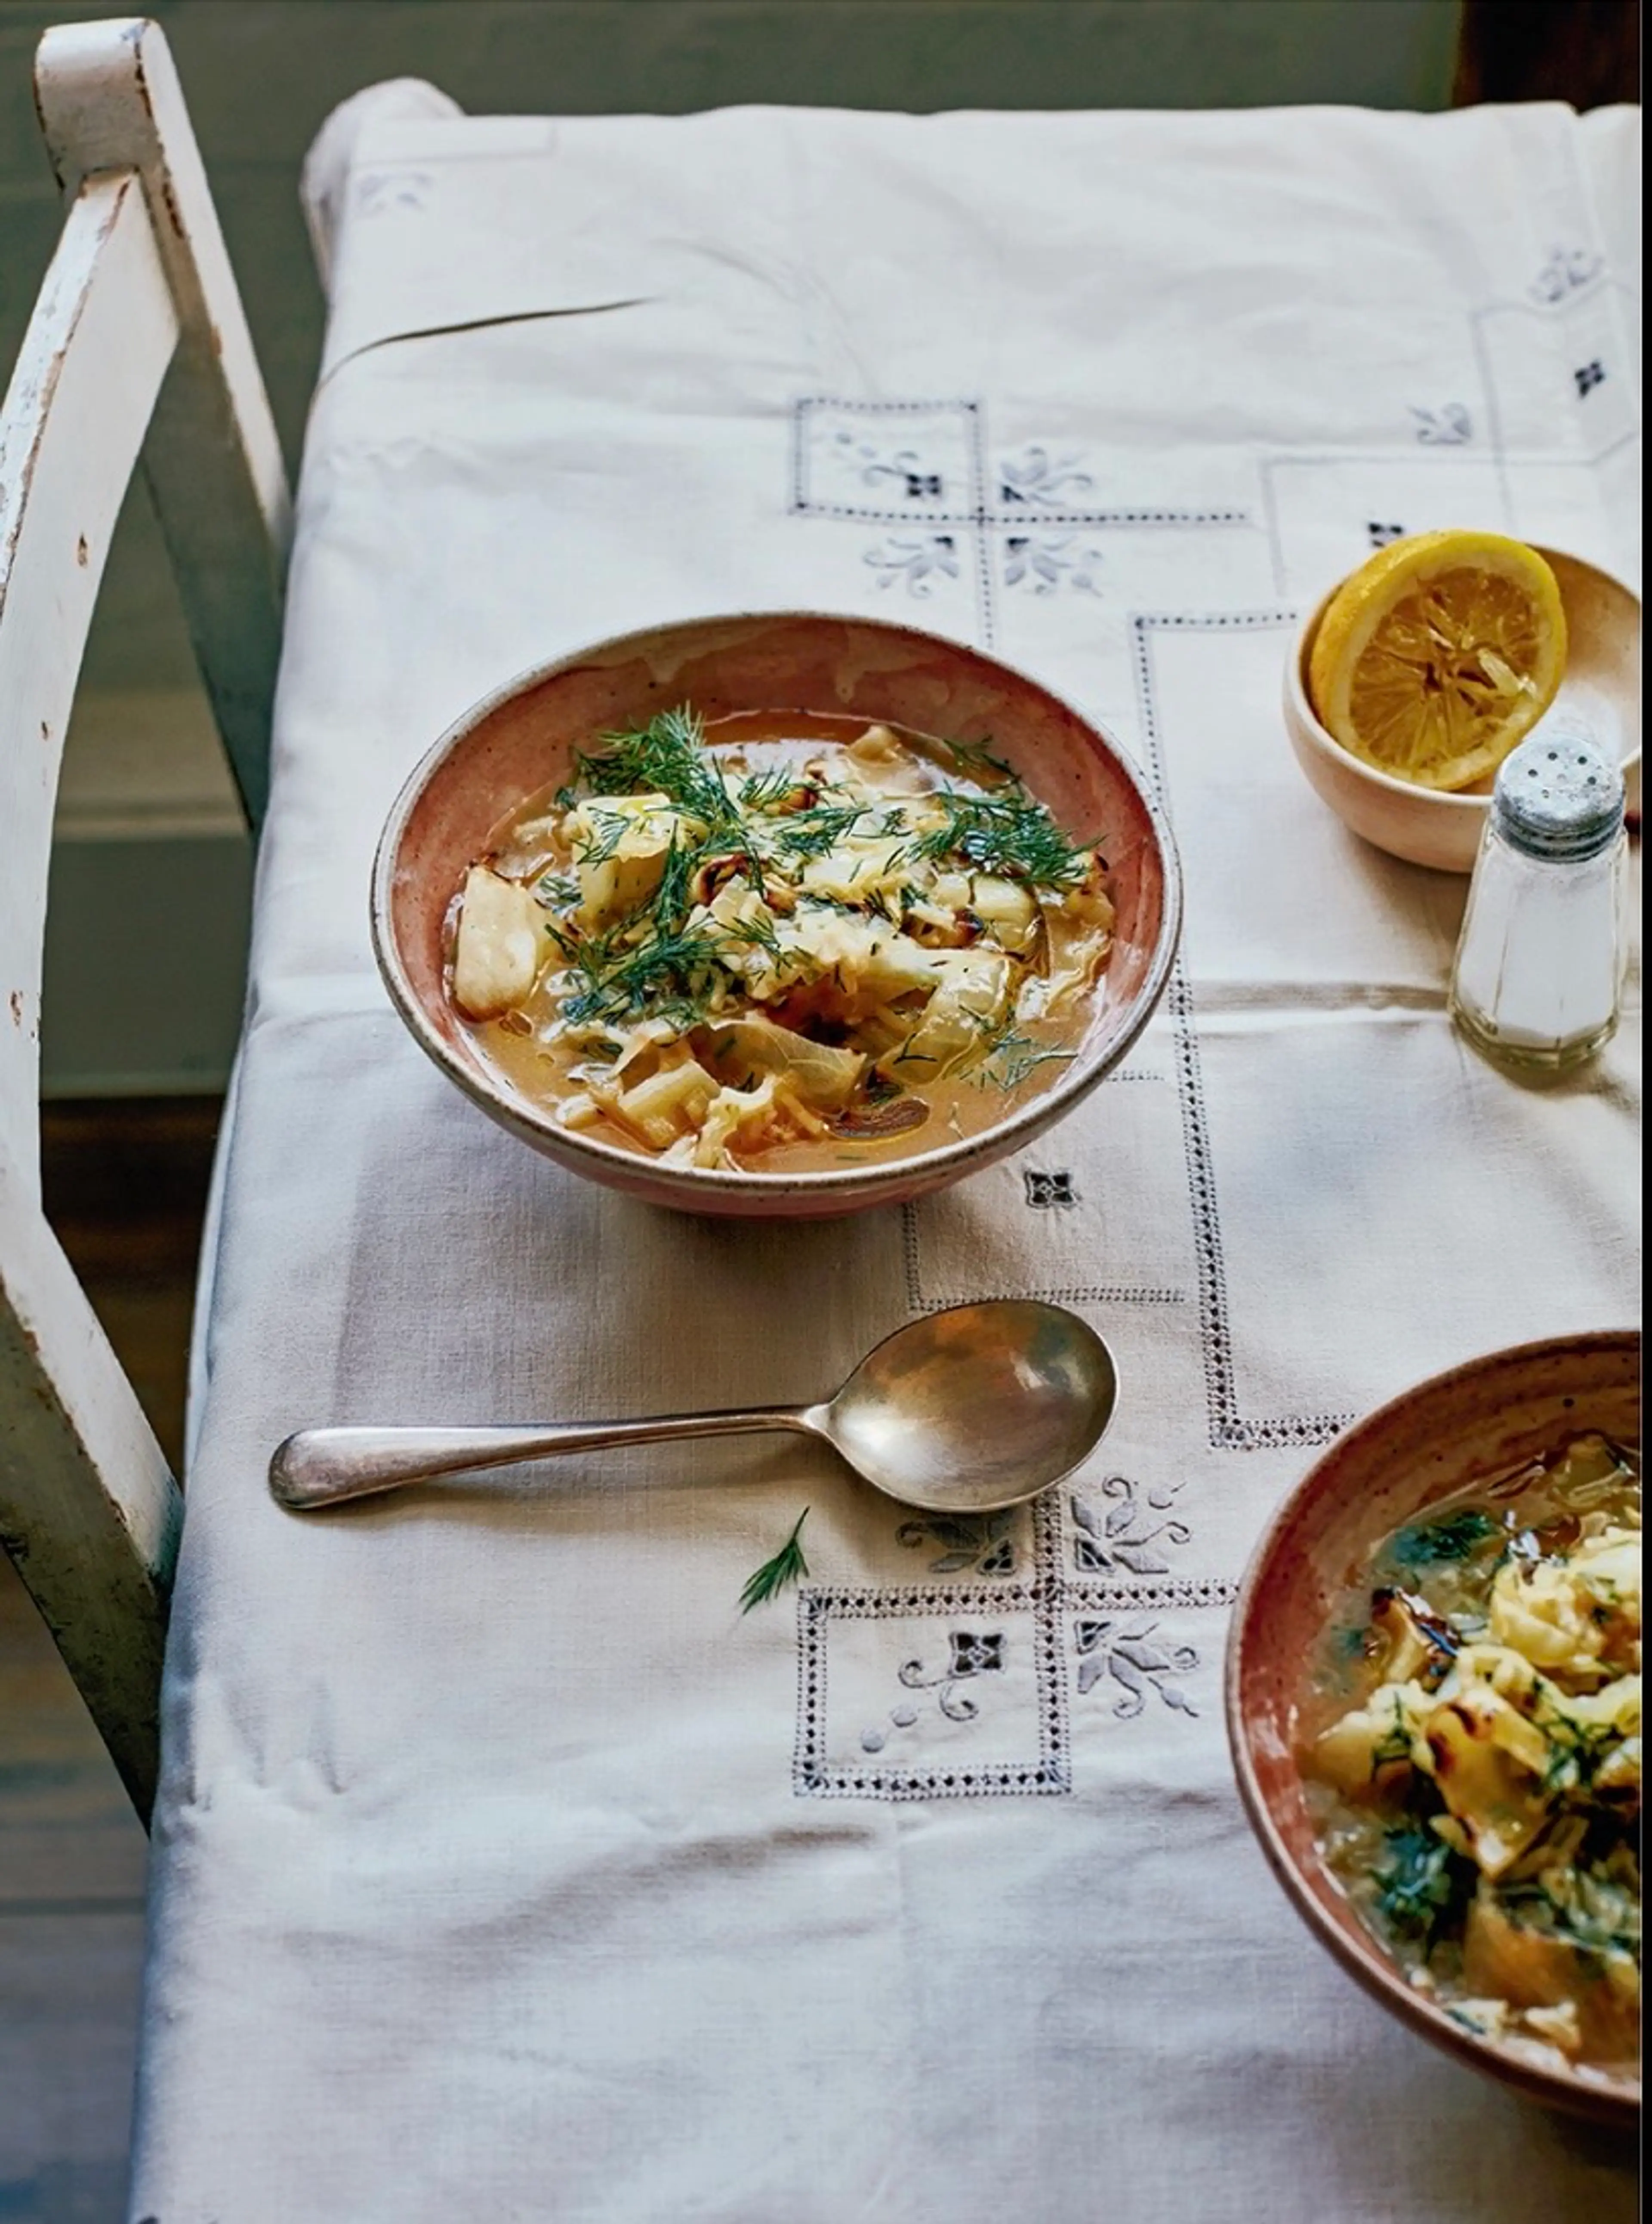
<point>1435,657</point>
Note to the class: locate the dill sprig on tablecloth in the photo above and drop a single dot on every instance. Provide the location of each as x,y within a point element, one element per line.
<point>787,1567</point>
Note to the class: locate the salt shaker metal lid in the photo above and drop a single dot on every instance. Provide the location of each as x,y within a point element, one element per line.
<point>1557,795</point>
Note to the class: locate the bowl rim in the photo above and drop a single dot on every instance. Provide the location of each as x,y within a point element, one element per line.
<point>1326,745</point>
<point>942,1165</point>
<point>1617,2104</point>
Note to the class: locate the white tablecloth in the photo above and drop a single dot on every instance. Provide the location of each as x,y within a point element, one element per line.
<point>504,1869</point>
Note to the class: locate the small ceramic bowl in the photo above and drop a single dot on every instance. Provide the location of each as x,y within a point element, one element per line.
<point>522,738</point>
<point>1485,1416</point>
<point>1600,695</point>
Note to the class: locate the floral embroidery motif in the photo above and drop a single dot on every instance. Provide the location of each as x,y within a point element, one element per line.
<point>1448,426</point>
<point>1044,564</point>
<point>1381,534</point>
<point>983,1694</point>
<point>1589,376</point>
<point>1020,1633</point>
<point>970,1654</point>
<point>1125,1539</point>
<point>928,468</point>
<point>1036,478</point>
<point>916,562</point>
<point>1567,270</point>
<point>874,1740</point>
<point>980,1542</point>
<point>905,469</point>
<point>1044,1190</point>
<point>1136,1663</point>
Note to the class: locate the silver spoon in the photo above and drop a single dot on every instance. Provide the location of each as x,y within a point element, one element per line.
<point>962,1411</point>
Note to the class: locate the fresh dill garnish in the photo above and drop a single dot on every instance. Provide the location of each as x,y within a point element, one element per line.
<point>608,830</point>
<point>669,903</point>
<point>758,930</point>
<point>1595,1916</point>
<point>1421,1884</point>
<point>667,757</point>
<point>1393,1749</point>
<point>1576,1750</point>
<point>762,790</point>
<point>976,757</point>
<point>811,833</point>
<point>787,1567</point>
<point>583,951</point>
<point>722,828</point>
<point>1455,1538</point>
<point>667,974</point>
<point>1011,834</point>
<point>1006,1056</point>
<point>1011,1056</point>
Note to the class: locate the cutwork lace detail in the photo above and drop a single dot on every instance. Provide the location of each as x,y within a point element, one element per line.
<point>1567,272</point>
<point>970,1655</point>
<point>1448,426</point>
<point>1048,1190</point>
<point>903,473</point>
<point>980,1542</point>
<point>1039,479</point>
<point>1044,566</point>
<point>970,521</point>
<point>916,563</point>
<point>1135,1659</point>
<point>1126,1537</point>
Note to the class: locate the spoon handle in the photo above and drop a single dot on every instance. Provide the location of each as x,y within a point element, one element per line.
<point>324,1467</point>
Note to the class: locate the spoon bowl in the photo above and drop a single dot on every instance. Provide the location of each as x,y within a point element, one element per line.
<point>962,1411</point>
<point>976,1408</point>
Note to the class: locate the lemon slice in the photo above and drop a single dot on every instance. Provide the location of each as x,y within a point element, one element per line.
<point>1437,655</point>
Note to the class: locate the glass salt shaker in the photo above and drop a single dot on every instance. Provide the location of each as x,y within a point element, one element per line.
<point>1539,974</point>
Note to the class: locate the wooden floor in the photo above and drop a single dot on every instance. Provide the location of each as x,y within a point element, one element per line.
<point>125,1186</point>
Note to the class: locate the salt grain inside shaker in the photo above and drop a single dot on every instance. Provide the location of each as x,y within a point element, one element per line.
<point>1539,974</point>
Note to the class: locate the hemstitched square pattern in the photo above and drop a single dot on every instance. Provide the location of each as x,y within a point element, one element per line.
<point>887,462</point>
<point>922,1694</point>
<point>1096,1212</point>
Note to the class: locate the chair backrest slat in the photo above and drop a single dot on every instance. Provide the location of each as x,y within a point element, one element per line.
<point>137,347</point>
<point>96,349</point>
<point>110,99</point>
<point>88,1509</point>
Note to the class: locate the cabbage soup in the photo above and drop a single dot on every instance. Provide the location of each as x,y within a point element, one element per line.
<point>779,942</point>
<point>1472,1754</point>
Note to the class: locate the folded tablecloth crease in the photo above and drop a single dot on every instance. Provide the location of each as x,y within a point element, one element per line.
<point>503,1868</point>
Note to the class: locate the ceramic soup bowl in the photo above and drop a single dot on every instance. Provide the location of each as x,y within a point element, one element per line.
<point>1481,1418</point>
<point>523,738</point>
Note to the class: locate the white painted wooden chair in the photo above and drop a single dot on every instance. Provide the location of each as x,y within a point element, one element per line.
<point>137,347</point>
